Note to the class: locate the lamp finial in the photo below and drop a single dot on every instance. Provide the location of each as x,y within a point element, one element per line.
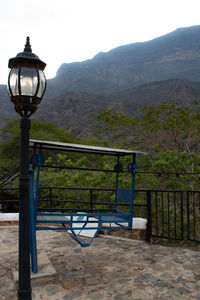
<point>27,46</point>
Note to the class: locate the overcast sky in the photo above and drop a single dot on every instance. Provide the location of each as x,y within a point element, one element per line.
<point>76,30</point>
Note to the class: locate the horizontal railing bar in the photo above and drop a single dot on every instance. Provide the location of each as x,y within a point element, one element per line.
<point>77,188</point>
<point>164,191</point>
<point>9,200</point>
<point>193,240</point>
<point>166,237</point>
<point>74,209</point>
<point>9,189</point>
<point>106,189</point>
<point>93,189</point>
<point>168,173</point>
<point>84,202</point>
<point>76,202</point>
<point>80,169</point>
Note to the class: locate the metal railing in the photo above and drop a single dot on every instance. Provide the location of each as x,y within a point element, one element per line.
<point>171,215</point>
<point>167,214</point>
<point>193,216</point>
<point>9,200</point>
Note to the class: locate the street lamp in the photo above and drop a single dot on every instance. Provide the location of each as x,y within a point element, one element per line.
<point>26,85</point>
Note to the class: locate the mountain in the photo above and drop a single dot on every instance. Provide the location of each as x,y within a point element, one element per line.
<point>125,78</point>
<point>6,110</point>
<point>175,55</point>
<point>76,111</point>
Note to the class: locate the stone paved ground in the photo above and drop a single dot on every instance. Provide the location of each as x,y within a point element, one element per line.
<point>111,268</point>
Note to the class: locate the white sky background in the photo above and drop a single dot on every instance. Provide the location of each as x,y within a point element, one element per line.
<point>76,30</point>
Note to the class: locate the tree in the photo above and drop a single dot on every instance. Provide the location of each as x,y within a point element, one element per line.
<point>170,133</point>
<point>168,127</point>
<point>9,147</point>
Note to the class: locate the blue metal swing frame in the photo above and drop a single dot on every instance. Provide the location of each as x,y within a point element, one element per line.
<point>117,219</point>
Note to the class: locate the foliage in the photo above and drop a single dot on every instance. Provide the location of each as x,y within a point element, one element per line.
<point>171,135</point>
<point>168,127</point>
<point>84,179</point>
<point>76,178</point>
<point>10,147</point>
<point>169,132</point>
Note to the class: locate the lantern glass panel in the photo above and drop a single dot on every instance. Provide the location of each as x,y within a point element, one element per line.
<point>28,81</point>
<point>42,85</point>
<point>13,82</point>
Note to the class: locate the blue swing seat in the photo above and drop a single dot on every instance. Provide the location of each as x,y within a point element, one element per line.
<point>113,220</point>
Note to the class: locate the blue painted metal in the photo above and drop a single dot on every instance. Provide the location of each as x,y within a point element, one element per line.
<point>81,241</point>
<point>132,168</point>
<point>117,182</point>
<point>95,215</point>
<point>124,195</point>
<point>37,160</point>
<point>36,187</point>
<point>118,168</point>
<point>117,226</point>
<point>132,200</point>
<point>116,220</point>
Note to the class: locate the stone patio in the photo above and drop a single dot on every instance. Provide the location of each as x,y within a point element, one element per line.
<point>111,268</point>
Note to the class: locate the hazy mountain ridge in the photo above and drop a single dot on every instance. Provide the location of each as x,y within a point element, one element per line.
<point>125,78</point>
<point>175,55</point>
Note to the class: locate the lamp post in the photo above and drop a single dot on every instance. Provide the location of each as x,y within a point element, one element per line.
<point>26,85</point>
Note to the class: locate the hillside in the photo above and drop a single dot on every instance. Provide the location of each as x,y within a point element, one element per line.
<point>125,78</point>
<point>6,110</point>
<point>76,111</point>
<point>175,55</point>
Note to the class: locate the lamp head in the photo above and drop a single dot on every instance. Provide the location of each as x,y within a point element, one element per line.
<point>26,81</point>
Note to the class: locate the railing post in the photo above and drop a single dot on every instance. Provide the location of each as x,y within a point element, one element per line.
<point>182,225</point>
<point>149,217</point>
<point>3,206</point>
<point>50,196</point>
<point>91,200</point>
<point>188,216</point>
<point>2,203</point>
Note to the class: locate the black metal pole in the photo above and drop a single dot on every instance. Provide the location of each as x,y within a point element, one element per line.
<point>24,286</point>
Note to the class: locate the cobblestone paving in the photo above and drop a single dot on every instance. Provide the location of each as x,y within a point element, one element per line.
<point>111,268</point>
